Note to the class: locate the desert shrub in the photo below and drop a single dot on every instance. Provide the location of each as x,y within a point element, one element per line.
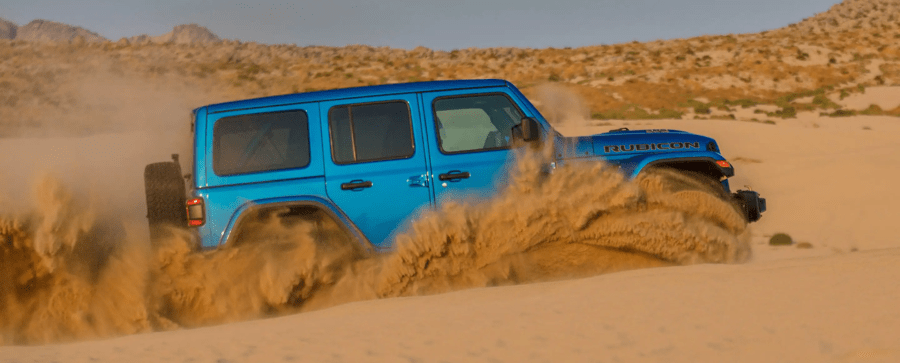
<point>840,113</point>
<point>844,94</point>
<point>787,99</point>
<point>744,103</point>
<point>781,239</point>
<point>784,112</point>
<point>872,110</point>
<point>824,102</point>
<point>667,113</point>
<point>699,107</point>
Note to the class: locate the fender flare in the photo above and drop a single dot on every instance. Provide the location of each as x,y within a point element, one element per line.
<point>705,157</point>
<point>290,201</point>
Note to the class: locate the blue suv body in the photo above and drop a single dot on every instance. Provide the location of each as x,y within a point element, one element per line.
<point>373,157</point>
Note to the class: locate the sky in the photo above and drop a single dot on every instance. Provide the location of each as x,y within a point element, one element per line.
<point>436,24</point>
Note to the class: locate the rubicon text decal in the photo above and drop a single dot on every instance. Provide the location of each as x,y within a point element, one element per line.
<point>646,147</point>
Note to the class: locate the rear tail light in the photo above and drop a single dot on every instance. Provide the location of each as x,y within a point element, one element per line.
<point>196,215</point>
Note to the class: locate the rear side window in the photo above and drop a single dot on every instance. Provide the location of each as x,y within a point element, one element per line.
<point>260,142</point>
<point>370,132</point>
<point>473,123</point>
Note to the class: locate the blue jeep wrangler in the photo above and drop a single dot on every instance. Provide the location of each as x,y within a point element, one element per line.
<point>370,157</point>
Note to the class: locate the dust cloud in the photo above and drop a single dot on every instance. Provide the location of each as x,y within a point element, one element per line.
<point>103,126</point>
<point>69,273</point>
<point>76,261</point>
<point>561,106</point>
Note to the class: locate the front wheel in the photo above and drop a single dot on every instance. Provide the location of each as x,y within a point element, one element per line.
<point>748,203</point>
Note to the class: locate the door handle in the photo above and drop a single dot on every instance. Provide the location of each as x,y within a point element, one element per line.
<point>356,185</point>
<point>418,181</point>
<point>454,175</point>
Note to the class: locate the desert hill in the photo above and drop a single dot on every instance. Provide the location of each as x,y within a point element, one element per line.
<point>50,31</point>
<point>853,14</point>
<point>807,67</point>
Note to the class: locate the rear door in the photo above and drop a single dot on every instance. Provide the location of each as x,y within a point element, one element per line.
<point>469,135</point>
<point>375,168</point>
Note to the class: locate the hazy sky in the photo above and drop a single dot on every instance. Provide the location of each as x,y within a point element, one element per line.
<point>438,24</point>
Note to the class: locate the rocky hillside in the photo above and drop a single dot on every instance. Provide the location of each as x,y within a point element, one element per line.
<point>181,34</point>
<point>853,15</point>
<point>804,67</point>
<point>50,31</point>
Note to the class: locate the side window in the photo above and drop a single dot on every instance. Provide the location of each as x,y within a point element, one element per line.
<point>370,132</point>
<point>471,123</point>
<point>260,142</point>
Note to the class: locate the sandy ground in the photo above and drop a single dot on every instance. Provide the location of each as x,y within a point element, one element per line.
<point>885,97</point>
<point>828,182</point>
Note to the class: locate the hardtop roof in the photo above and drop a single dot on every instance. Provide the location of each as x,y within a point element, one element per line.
<point>354,92</point>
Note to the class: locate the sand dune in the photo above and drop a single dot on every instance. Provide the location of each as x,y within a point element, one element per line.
<point>832,302</point>
<point>791,108</point>
<point>835,308</point>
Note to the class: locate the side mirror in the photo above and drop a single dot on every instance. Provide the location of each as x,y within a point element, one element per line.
<point>528,130</point>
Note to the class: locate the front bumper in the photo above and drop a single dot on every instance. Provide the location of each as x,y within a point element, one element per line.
<point>751,204</point>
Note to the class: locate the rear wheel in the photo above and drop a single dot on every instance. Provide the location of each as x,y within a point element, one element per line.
<point>165,191</point>
<point>288,222</point>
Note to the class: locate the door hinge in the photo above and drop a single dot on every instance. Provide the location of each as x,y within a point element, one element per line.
<point>418,181</point>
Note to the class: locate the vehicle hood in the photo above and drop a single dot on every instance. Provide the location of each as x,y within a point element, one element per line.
<point>627,144</point>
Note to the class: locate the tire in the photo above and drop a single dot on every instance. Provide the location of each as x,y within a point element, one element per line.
<point>165,191</point>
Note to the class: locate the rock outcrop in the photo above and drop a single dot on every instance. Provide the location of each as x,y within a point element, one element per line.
<point>187,34</point>
<point>7,29</point>
<point>51,31</point>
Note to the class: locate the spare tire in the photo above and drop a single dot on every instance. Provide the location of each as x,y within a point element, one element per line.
<point>164,187</point>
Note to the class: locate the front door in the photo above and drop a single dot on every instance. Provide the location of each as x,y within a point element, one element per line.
<point>470,136</point>
<point>375,170</point>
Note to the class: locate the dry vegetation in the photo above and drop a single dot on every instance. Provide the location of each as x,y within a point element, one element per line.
<point>802,67</point>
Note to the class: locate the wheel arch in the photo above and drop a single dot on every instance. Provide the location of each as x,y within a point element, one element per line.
<point>254,206</point>
<point>703,165</point>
